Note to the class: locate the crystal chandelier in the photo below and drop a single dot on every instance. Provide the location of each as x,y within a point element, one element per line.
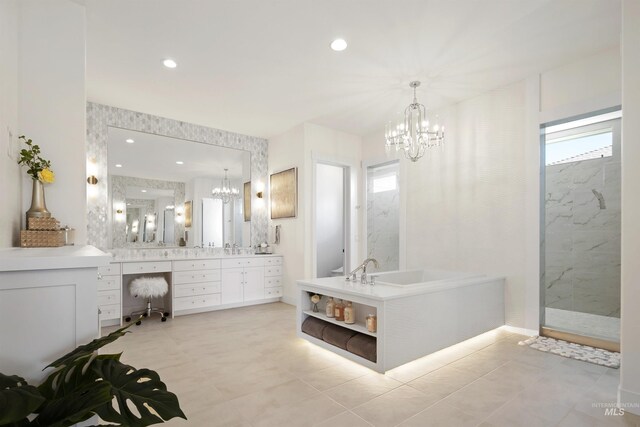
<point>412,133</point>
<point>225,192</point>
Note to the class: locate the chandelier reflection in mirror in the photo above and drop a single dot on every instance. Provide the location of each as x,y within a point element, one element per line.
<point>226,192</point>
<point>413,133</point>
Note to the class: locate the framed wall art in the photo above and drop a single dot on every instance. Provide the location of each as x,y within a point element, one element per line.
<point>283,187</point>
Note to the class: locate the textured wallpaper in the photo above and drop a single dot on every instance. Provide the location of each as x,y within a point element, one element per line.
<point>100,117</point>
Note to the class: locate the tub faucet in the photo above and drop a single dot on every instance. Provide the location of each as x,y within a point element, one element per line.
<point>363,267</point>
<point>363,276</point>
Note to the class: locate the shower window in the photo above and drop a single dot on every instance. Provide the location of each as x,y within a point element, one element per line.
<point>581,235</point>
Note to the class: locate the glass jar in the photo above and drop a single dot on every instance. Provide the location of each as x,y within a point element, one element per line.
<point>330,307</point>
<point>339,311</point>
<point>372,323</point>
<point>349,314</point>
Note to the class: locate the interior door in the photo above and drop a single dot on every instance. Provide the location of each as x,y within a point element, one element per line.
<point>253,283</point>
<point>232,284</point>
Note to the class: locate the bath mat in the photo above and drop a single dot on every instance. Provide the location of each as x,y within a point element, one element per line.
<point>584,353</point>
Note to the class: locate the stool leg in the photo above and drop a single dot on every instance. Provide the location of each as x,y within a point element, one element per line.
<point>149,308</point>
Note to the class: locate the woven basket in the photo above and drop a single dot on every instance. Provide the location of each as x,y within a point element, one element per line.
<point>43,224</point>
<point>41,238</point>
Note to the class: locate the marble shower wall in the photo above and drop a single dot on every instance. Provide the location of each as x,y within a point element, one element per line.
<point>383,220</point>
<point>582,236</point>
<point>101,117</point>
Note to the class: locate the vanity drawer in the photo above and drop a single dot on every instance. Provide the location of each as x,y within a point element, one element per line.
<point>186,303</point>
<point>272,282</point>
<point>109,297</point>
<point>108,283</point>
<point>275,270</point>
<point>273,261</point>
<point>201,264</point>
<point>110,311</point>
<point>242,262</point>
<point>273,292</point>
<point>109,269</point>
<point>146,267</point>
<point>199,289</point>
<point>196,276</point>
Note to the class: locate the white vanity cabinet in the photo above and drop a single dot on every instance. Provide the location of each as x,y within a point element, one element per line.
<point>273,277</point>
<point>242,280</point>
<point>110,293</point>
<point>48,305</point>
<point>196,285</point>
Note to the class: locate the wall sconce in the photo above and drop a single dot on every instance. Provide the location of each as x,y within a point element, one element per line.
<point>259,194</point>
<point>179,214</point>
<point>119,210</point>
<point>92,171</point>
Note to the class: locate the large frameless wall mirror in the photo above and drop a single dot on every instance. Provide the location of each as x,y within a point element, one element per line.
<point>163,190</point>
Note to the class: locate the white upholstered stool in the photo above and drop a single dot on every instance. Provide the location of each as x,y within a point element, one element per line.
<point>148,287</point>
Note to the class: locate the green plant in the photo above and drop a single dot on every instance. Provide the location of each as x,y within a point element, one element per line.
<point>85,384</point>
<point>38,167</point>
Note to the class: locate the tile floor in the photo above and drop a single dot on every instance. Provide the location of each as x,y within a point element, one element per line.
<point>246,367</point>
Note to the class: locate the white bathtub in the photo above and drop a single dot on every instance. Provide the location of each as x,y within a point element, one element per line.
<point>419,278</point>
<point>419,311</point>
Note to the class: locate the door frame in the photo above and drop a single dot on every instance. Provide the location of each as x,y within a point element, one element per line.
<point>350,209</point>
<point>545,330</point>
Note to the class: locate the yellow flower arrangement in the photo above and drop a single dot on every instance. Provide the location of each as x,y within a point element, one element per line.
<point>46,175</point>
<point>38,168</point>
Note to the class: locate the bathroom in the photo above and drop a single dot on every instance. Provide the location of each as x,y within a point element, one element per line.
<point>276,108</point>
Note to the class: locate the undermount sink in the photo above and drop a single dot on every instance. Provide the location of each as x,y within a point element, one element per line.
<point>416,278</point>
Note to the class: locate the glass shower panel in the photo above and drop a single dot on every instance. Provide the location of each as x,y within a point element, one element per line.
<point>383,215</point>
<point>582,232</point>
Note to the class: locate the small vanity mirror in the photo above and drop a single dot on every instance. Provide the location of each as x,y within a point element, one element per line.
<point>155,182</point>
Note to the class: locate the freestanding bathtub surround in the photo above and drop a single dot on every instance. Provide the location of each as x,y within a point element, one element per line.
<point>418,312</point>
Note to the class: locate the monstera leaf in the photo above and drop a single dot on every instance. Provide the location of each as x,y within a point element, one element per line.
<point>17,400</point>
<point>88,349</point>
<point>85,384</point>
<point>74,407</point>
<point>141,388</point>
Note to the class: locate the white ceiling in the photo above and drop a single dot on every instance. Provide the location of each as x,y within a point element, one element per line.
<point>260,67</point>
<point>154,157</point>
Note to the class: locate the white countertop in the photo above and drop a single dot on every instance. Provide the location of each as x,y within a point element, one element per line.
<point>382,292</point>
<point>18,259</point>
<point>189,257</point>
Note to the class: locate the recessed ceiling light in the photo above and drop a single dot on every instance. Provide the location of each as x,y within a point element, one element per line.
<point>169,63</point>
<point>129,141</point>
<point>338,45</point>
<point>144,191</point>
<point>179,162</point>
<point>118,165</point>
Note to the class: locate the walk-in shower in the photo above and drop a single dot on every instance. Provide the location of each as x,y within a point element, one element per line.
<point>581,229</point>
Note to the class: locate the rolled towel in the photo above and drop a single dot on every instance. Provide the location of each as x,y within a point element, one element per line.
<point>148,287</point>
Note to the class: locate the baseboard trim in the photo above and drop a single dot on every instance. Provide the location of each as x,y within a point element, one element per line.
<point>521,331</point>
<point>288,300</point>
<point>629,401</point>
